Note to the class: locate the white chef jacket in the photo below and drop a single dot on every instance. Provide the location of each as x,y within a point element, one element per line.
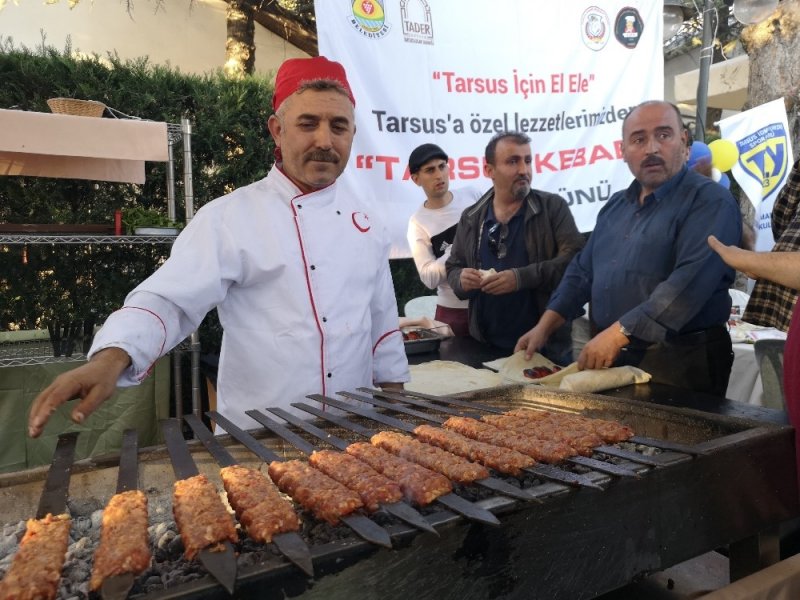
<point>303,290</point>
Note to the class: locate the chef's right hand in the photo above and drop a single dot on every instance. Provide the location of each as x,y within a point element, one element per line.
<point>470,279</point>
<point>93,383</point>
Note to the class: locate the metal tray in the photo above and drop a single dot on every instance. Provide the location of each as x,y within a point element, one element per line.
<point>427,342</point>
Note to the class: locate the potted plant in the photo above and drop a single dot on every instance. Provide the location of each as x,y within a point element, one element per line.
<point>139,220</point>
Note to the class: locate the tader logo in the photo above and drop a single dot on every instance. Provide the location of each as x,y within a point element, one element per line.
<point>369,18</point>
<point>417,23</point>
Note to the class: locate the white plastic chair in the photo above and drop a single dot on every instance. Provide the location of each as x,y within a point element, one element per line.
<point>421,306</point>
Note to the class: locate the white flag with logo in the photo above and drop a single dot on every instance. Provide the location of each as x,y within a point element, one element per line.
<point>761,135</point>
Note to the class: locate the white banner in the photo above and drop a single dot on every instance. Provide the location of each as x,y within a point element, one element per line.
<point>455,72</point>
<point>761,135</point>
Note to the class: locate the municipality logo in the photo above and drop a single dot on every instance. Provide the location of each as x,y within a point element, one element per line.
<point>764,156</point>
<point>369,18</point>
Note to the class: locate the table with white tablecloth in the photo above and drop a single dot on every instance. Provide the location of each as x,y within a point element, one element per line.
<point>745,382</point>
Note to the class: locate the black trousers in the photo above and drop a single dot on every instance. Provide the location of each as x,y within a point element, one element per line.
<point>700,361</point>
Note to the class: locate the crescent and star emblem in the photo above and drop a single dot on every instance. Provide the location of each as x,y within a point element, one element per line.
<point>361,222</point>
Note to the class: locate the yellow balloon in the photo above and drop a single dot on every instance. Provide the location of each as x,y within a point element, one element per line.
<point>724,154</point>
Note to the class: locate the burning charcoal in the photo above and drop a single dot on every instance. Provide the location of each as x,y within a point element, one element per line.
<point>175,546</point>
<point>83,507</point>
<point>156,531</point>
<point>165,539</point>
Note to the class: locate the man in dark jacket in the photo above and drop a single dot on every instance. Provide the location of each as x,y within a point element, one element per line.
<point>511,249</point>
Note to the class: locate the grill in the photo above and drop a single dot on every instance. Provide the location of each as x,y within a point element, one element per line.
<point>702,481</point>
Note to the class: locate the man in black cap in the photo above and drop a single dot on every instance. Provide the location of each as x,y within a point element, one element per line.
<point>432,227</point>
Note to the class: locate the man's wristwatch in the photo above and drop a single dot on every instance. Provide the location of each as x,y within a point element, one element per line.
<point>625,332</point>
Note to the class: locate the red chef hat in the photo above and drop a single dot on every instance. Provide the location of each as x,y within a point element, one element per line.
<point>295,71</point>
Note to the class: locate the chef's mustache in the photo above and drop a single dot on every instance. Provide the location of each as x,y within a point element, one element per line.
<point>322,156</point>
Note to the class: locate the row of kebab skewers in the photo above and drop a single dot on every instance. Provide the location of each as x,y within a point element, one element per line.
<point>393,471</point>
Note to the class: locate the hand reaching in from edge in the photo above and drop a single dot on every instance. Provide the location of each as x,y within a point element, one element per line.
<point>93,383</point>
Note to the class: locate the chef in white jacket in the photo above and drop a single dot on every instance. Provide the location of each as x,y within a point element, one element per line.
<point>297,268</point>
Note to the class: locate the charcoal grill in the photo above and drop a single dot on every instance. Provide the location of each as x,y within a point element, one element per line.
<point>717,481</point>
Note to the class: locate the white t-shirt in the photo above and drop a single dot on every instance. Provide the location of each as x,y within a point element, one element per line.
<point>430,235</point>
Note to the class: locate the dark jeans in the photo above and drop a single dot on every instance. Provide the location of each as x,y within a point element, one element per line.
<point>700,361</point>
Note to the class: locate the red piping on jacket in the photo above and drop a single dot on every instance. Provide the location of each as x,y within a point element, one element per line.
<point>310,296</point>
<point>383,337</point>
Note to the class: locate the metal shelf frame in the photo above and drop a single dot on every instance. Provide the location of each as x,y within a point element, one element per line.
<point>34,239</point>
<point>14,355</point>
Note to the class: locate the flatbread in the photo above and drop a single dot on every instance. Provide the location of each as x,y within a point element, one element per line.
<point>597,380</point>
<point>486,272</point>
<point>443,377</point>
<point>511,369</point>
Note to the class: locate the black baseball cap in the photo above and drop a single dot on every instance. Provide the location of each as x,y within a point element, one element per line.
<point>422,154</point>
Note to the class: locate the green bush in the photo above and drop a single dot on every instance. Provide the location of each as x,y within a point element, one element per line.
<point>230,147</point>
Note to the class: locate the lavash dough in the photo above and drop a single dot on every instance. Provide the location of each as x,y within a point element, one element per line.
<point>443,377</point>
<point>597,380</point>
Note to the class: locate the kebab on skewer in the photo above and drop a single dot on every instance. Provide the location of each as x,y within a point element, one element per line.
<point>611,432</point>
<point>258,505</point>
<point>325,497</point>
<point>545,451</point>
<point>36,569</point>
<point>420,486</point>
<point>124,549</point>
<point>201,517</point>
<point>454,467</point>
<point>374,488</point>
<point>124,542</point>
<point>504,460</point>
<point>583,441</point>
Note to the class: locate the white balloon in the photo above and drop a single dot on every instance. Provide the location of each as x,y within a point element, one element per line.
<point>716,174</point>
<point>750,12</point>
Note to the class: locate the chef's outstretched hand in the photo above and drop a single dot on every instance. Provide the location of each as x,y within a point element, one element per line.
<point>93,383</point>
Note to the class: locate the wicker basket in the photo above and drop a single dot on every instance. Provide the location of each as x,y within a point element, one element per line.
<point>79,108</point>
